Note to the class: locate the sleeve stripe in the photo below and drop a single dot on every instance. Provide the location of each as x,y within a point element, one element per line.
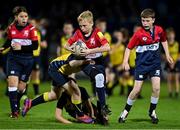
<point>32,28</point>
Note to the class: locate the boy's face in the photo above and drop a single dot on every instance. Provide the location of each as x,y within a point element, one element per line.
<point>22,18</point>
<point>118,35</point>
<point>102,26</point>
<point>147,23</point>
<point>171,36</point>
<point>68,29</point>
<point>85,26</point>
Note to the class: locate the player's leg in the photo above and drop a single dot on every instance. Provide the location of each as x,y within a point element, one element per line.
<point>43,98</point>
<point>154,98</point>
<point>13,70</point>
<point>21,91</point>
<point>131,99</point>
<point>177,77</point>
<point>12,93</point>
<point>177,84</point>
<point>169,79</point>
<point>58,80</point>
<point>97,75</point>
<point>73,89</point>
<point>36,75</point>
<point>169,83</point>
<point>24,77</point>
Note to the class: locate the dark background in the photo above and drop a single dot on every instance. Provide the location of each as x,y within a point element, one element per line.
<point>118,13</point>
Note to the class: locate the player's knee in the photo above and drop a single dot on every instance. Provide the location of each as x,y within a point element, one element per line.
<point>51,96</point>
<point>22,91</point>
<point>136,91</point>
<point>99,80</point>
<point>156,90</point>
<point>13,81</point>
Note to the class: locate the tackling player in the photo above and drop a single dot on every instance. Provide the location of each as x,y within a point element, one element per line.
<point>59,70</point>
<point>65,102</point>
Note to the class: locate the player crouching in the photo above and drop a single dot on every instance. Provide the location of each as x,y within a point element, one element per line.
<point>59,71</point>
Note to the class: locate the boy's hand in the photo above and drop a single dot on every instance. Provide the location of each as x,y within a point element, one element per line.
<point>125,66</point>
<point>85,52</point>
<point>72,49</point>
<point>1,49</point>
<point>16,46</point>
<point>169,59</point>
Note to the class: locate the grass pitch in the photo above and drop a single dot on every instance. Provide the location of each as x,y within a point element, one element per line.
<point>42,116</point>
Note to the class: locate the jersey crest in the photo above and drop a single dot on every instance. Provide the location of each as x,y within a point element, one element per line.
<point>92,41</point>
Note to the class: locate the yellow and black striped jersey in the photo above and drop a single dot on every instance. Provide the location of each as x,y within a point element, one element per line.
<point>37,51</point>
<point>109,39</point>
<point>116,55</point>
<point>2,41</point>
<point>132,58</point>
<point>63,41</point>
<point>174,50</point>
<point>62,63</point>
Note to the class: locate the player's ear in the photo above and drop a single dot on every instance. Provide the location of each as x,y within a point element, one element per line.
<point>91,22</point>
<point>15,17</point>
<point>153,20</point>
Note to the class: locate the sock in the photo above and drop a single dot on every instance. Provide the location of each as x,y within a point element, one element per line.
<point>130,88</point>
<point>13,99</point>
<point>36,89</point>
<point>101,96</point>
<point>40,99</point>
<point>153,104</point>
<point>19,95</point>
<point>129,104</point>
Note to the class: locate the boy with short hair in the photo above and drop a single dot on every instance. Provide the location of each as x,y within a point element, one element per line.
<point>147,41</point>
<point>96,44</point>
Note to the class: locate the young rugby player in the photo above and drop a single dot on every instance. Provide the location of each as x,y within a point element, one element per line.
<point>96,44</point>
<point>22,39</point>
<point>148,63</point>
<point>59,70</point>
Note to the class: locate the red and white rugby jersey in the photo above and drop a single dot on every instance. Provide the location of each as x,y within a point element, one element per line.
<point>147,48</point>
<point>96,39</point>
<point>24,36</point>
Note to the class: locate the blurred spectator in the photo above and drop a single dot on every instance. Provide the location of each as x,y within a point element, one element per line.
<point>174,69</point>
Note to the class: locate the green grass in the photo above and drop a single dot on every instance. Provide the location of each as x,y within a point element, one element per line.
<point>42,116</point>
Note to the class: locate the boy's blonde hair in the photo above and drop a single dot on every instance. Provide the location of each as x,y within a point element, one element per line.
<point>86,15</point>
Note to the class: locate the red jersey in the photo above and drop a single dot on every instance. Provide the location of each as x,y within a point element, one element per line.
<point>147,48</point>
<point>96,39</point>
<point>24,36</point>
<point>143,37</point>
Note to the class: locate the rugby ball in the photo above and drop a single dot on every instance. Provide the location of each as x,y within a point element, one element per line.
<point>79,46</point>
